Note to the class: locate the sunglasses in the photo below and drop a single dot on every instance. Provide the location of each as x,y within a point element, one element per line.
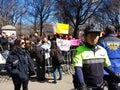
<point>22,43</point>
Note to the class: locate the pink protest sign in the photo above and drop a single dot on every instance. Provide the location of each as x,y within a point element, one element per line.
<point>75,42</point>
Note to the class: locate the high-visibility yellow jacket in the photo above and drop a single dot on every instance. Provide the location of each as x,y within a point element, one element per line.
<point>92,63</point>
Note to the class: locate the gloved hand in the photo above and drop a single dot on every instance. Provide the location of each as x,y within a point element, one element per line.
<point>117,77</point>
<point>82,86</point>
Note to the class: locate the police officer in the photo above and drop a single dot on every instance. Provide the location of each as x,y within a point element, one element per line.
<point>112,45</point>
<point>90,60</point>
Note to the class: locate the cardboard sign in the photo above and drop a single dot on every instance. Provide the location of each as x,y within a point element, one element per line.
<point>75,42</point>
<point>49,29</point>
<point>63,44</point>
<point>62,28</point>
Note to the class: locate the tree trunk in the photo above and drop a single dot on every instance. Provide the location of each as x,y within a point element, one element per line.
<point>41,28</point>
<point>76,32</point>
<point>41,25</point>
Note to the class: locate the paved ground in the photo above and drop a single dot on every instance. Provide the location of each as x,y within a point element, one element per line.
<point>64,84</point>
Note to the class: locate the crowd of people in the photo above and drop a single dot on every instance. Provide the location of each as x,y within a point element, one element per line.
<point>19,53</point>
<point>95,62</point>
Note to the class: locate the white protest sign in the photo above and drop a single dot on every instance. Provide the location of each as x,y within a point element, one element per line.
<point>63,44</point>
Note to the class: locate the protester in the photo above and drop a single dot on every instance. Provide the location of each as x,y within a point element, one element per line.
<point>46,44</point>
<point>37,52</point>
<point>4,43</point>
<point>90,60</point>
<point>112,45</point>
<point>19,65</point>
<point>57,60</point>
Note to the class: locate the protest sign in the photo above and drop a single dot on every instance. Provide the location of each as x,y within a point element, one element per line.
<point>49,29</point>
<point>62,28</point>
<point>63,44</point>
<point>75,42</point>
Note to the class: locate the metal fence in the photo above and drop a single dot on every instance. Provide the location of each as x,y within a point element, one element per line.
<point>67,65</point>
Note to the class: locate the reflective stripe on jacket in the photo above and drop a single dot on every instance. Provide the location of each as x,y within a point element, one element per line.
<point>92,64</point>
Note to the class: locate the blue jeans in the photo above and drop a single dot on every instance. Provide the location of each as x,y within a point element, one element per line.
<point>54,72</point>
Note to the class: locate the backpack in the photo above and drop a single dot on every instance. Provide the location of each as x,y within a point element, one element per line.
<point>57,54</point>
<point>37,52</point>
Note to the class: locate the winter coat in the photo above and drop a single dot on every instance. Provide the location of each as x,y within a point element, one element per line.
<point>57,57</point>
<point>4,43</point>
<point>19,64</point>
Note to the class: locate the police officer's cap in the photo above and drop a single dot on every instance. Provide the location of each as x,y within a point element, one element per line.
<point>92,28</point>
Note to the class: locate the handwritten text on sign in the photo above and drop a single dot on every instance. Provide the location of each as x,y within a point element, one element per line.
<point>64,45</point>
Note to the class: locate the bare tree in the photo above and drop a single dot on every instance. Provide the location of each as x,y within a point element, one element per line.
<point>76,12</point>
<point>32,13</point>
<point>40,10</point>
<point>109,12</point>
<point>10,11</point>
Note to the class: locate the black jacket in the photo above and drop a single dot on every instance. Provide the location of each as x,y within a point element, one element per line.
<point>19,64</point>
<point>57,57</point>
<point>4,43</point>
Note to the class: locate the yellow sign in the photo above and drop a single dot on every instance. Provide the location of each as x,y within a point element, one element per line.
<point>62,28</point>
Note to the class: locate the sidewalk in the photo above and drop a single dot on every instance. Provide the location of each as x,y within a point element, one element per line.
<point>64,84</point>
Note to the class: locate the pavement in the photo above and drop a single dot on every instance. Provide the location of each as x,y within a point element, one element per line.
<point>64,84</point>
